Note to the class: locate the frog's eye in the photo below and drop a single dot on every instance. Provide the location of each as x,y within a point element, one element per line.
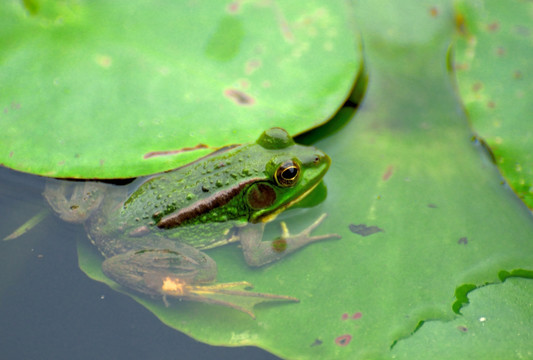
<point>287,173</point>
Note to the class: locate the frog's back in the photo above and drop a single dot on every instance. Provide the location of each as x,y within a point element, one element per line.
<point>190,189</point>
<point>216,178</point>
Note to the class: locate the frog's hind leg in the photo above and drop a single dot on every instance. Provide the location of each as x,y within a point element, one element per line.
<point>182,272</point>
<point>235,295</point>
<point>157,271</point>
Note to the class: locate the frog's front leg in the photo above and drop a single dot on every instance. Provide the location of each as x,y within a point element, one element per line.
<point>74,201</point>
<point>258,252</point>
<point>183,272</point>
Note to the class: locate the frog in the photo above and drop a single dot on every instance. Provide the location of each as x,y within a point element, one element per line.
<point>154,238</point>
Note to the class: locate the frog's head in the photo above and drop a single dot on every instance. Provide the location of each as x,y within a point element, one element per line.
<point>291,172</point>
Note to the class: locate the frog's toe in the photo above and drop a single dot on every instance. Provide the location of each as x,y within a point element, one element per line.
<point>234,295</point>
<point>305,236</point>
<point>73,201</point>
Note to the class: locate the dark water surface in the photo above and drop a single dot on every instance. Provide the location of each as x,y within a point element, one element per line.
<point>49,309</point>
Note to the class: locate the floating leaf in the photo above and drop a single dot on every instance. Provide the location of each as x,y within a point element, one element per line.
<point>493,326</point>
<point>406,164</point>
<point>123,89</point>
<point>495,77</point>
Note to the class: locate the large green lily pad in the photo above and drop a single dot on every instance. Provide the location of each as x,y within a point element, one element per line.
<point>496,314</point>
<point>421,209</point>
<point>106,89</point>
<point>494,49</point>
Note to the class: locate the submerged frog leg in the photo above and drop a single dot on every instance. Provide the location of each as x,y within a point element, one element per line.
<point>73,201</point>
<point>258,252</point>
<point>182,272</point>
<point>233,295</point>
<point>147,270</point>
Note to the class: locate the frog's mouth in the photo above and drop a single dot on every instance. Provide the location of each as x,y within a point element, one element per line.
<point>274,214</point>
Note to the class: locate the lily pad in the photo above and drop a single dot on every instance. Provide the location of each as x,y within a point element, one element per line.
<point>424,217</point>
<point>497,315</point>
<point>100,89</point>
<point>421,209</point>
<point>495,79</point>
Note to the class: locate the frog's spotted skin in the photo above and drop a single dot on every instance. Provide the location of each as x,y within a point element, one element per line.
<point>152,238</point>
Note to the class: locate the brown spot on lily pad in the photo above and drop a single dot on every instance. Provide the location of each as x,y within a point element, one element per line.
<point>252,65</point>
<point>434,11</point>
<point>493,26</point>
<point>239,97</point>
<point>357,315</point>
<point>388,173</point>
<point>354,316</point>
<point>173,152</point>
<point>491,104</point>
<point>364,230</point>
<point>105,61</point>
<point>284,26</point>
<point>234,6</point>
<point>431,205</point>
<point>477,86</point>
<point>463,240</point>
<point>343,340</point>
<point>462,328</point>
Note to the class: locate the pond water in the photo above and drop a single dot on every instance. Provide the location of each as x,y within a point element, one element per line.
<point>49,309</point>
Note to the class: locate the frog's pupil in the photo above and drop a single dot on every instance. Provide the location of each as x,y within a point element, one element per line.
<point>289,173</point>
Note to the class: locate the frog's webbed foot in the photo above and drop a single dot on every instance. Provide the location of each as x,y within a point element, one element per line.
<point>73,201</point>
<point>233,295</point>
<point>258,253</point>
<point>304,237</point>
<point>183,273</point>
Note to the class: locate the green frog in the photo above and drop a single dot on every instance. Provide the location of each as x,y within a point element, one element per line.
<point>153,238</point>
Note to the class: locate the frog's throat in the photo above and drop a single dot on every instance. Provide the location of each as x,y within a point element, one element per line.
<point>271,216</point>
